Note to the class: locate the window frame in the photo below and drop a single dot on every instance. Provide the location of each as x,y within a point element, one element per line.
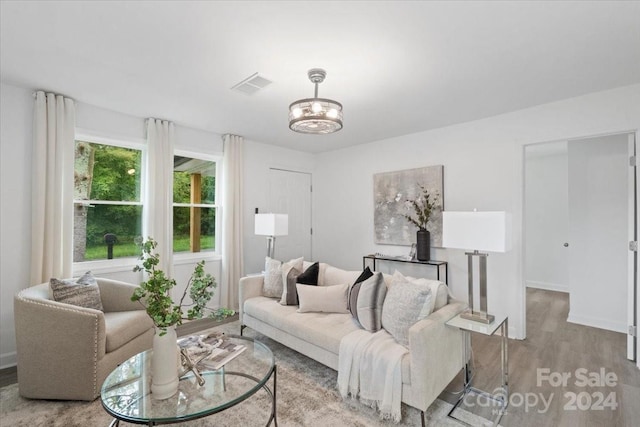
<point>208,254</point>
<point>123,263</point>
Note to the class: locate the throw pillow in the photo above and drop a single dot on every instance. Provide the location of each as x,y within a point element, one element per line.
<point>290,276</point>
<point>371,296</point>
<point>326,299</point>
<point>439,291</point>
<point>84,292</point>
<point>310,275</point>
<point>272,285</point>
<point>355,288</point>
<point>405,304</point>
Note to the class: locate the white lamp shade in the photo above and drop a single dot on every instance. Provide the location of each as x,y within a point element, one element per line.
<point>482,231</point>
<point>272,224</point>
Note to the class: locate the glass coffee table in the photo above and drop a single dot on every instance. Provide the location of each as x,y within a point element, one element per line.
<point>126,393</point>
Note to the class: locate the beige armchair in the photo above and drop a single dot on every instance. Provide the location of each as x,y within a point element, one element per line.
<point>65,352</point>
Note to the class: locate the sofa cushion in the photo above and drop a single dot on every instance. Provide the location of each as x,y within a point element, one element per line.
<point>124,326</point>
<point>83,292</point>
<point>322,329</point>
<point>369,302</point>
<point>310,275</point>
<point>406,303</point>
<point>439,291</point>
<point>337,276</point>
<point>326,299</point>
<point>355,289</point>
<point>289,279</point>
<point>272,285</point>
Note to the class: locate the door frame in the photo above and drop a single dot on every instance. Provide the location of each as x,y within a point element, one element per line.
<point>633,308</point>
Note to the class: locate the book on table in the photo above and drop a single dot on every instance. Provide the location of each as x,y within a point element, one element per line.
<point>223,353</point>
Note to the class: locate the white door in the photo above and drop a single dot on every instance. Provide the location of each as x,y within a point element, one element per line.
<point>599,232</point>
<point>290,193</point>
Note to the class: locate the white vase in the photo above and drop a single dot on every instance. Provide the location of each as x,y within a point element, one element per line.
<point>164,364</point>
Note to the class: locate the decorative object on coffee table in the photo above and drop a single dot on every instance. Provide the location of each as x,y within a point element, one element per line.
<point>391,190</point>
<point>423,207</point>
<point>155,295</point>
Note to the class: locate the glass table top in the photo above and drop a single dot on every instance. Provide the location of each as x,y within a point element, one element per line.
<point>126,393</point>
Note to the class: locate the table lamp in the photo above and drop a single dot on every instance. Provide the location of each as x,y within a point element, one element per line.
<point>271,225</point>
<point>477,231</point>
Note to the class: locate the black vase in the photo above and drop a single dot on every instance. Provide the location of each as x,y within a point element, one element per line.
<point>423,245</point>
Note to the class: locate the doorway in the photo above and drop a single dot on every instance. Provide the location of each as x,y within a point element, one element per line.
<point>579,219</point>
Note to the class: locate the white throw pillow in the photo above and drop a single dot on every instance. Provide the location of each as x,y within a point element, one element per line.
<point>406,303</point>
<point>326,299</point>
<point>439,291</point>
<point>272,285</point>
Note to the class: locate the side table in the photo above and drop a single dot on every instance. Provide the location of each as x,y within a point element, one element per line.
<point>467,327</point>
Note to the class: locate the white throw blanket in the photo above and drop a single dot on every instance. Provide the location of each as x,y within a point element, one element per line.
<point>370,368</point>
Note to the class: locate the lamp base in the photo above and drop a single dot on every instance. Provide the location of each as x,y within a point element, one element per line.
<point>477,316</point>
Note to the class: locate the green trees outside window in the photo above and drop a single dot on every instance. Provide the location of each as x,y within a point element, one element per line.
<point>108,202</point>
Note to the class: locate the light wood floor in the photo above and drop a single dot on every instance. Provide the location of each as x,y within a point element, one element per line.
<point>561,347</point>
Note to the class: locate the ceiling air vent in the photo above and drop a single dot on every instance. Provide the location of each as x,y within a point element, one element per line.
<point>252,84</point>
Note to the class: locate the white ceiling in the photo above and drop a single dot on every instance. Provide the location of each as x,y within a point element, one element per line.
<point>397,67</point>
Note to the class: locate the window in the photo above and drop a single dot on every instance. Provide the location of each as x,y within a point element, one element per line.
<point>107,201</point>
<point>194,204</point>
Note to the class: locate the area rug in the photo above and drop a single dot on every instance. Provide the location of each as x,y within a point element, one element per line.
<point>306,396</point>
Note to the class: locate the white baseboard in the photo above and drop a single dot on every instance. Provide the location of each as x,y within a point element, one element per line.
<point>597,323</point>
<point>8,360</point>
<point>547,286</point>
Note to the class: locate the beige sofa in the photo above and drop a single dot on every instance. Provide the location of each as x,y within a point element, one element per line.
<point>65,352</point>
<point>435,350</point>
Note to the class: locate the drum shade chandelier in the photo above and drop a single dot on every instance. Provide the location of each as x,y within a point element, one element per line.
<point>315,115</point>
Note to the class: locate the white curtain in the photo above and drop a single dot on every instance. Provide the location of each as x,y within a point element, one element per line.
<point>232,226</point>
<point>159,190</point>
<point>52,187</point>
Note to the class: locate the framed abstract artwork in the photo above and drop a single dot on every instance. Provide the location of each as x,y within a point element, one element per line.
<point>391,190</point>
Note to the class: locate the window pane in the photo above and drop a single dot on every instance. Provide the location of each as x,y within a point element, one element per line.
<point>106,172</point>
<point>197,174</point>
<point>93,223</point>
<point>182,230</point>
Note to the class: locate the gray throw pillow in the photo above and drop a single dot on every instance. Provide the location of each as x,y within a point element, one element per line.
<point>405,304</point>
<point>83,292</point>
<point>289,279</point>
<point>369,302</point>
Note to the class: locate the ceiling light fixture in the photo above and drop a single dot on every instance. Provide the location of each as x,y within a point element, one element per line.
<point>315,115</point>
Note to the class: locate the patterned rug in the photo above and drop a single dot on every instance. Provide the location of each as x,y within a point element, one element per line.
<point>307,396</point>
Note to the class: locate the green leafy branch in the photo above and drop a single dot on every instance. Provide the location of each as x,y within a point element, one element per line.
<point>154,293</point>
<point>423,207</point>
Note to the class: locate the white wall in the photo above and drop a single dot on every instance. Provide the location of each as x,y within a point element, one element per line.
<point>598,232</point>
<point>16,113</point>
<point>258,159</point>
<point>547,216</point>
<point>483,169</point>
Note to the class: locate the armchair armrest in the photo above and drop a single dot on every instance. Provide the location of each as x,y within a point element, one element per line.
<point>116,295</point>
<point>249,287</point>
<point>436,353</point>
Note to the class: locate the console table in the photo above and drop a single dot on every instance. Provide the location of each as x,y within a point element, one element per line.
<point>432,263</point>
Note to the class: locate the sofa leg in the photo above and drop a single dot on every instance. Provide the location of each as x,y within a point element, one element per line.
<point>423,417</point>
<point>242,329</point>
